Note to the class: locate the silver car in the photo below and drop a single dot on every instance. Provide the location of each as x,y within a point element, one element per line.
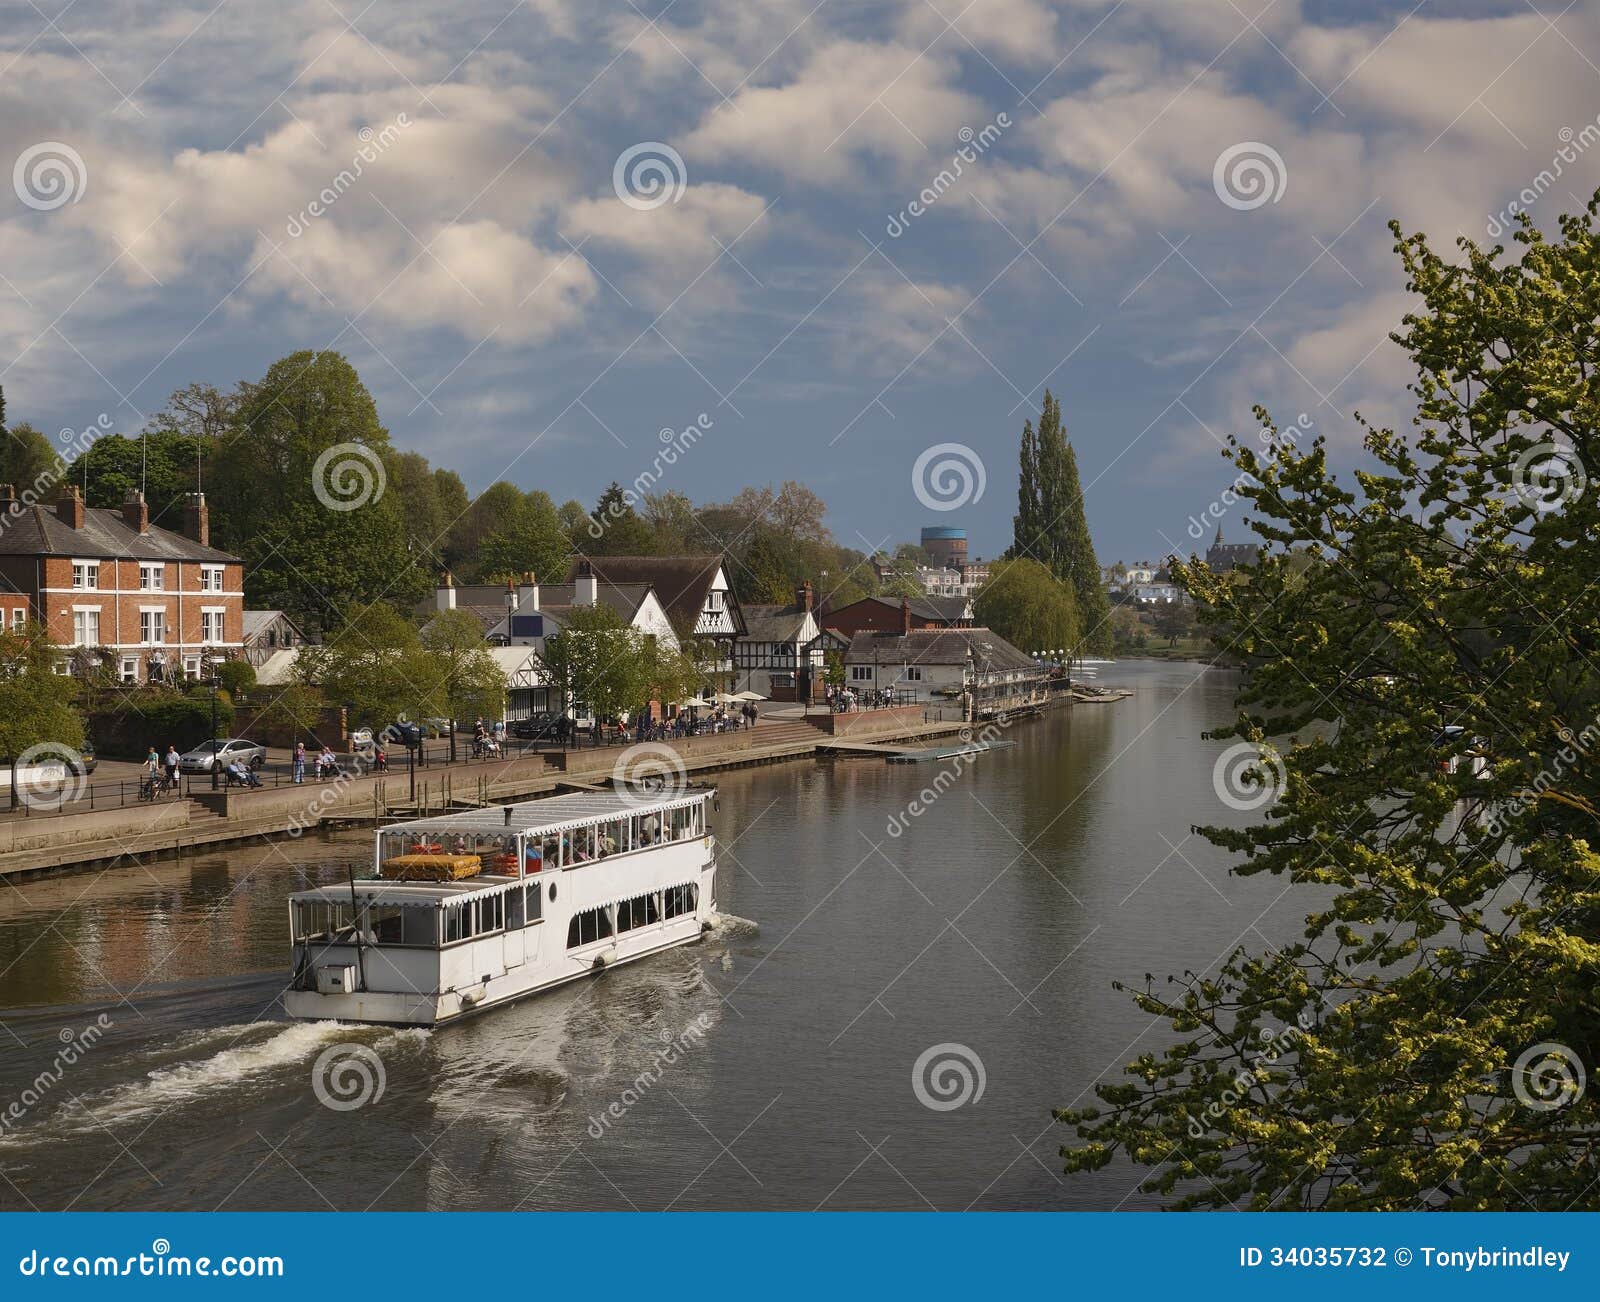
<point>232,750</point>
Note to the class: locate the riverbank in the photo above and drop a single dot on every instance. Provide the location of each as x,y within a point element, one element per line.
<point>35,847</point>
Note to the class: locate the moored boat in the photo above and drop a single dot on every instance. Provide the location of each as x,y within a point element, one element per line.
<point>470,910</point>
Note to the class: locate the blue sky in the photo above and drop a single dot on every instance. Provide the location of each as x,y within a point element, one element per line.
<point>517,315</point>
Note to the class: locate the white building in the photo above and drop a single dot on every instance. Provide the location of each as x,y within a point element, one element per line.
<point>975,665</point>
<point>781,655</point>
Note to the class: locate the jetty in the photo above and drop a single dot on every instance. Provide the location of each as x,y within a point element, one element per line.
<point>904,753</point>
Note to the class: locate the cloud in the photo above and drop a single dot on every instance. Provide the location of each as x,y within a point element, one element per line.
<point>851,103</point>
<point>689,232</point>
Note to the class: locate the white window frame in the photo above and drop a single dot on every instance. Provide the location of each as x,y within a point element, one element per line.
<point>128,670</point>
<point>211,577</point>
<point>91,576</point>
<point>19,617</point>
<point>81,614</point>
<point>145,640</point>
<point>191,666</point>
<point>207,614</point>
<point>860,673</point>
<point>152,576</point>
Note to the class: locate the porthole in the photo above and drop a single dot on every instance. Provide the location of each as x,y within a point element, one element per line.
<point>552,892</point>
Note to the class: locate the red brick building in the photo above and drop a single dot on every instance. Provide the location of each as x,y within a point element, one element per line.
<point>158,603</point>
<point>898,615</point>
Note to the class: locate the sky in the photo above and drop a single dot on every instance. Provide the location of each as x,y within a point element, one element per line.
<point>852,243</point>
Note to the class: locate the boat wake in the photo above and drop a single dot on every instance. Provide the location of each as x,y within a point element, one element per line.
<point>255,1052</point>
<point>731,925</point>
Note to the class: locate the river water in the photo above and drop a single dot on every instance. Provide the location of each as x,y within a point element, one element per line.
<point>772,1066</point>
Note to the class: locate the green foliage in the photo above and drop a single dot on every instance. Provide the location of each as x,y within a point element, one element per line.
<point>602,661</point>
<point>376,665</point>
<point>36,703</point>
<point>1454,923</point>
<point>159,717</point>
<point>1051,526</point>
<point>237,676</point>
<point>1028,606</point>
<point>529,538</point>
<point>614,528</point>
<point>464,675</point>
<point>27,458</point>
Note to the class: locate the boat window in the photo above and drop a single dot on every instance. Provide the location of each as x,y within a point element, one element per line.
<point>589,926</point>
<point>457,922</point>
<point>419,927</point>
<point>321,920</point>
<point>383,924</point>
<point>638,912</point>
<point>680,900</point>
<point>514,907</point>
<point>491,914</point>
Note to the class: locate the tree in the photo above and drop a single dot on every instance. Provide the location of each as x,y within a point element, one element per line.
<point>161,464</point>
<point>36,703</point>
<point>1174,619</point>
<point>465,675</point>
<point>1429,678</point>
<point>614,528</point>
<point>302,493</point>
<point>27,458</point>
<point>375,663</point>
<point>1051,526</point>
<point>1028,606</point>
<point>600,660</point>
<point>529,538</point>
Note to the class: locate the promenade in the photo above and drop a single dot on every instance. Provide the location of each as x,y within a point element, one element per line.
<point>204,819</point>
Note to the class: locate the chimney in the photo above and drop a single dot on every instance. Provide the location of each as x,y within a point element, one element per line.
<point>585,589</point>
<point>135,513</point>
<point>528,594</point>
<point>196,519</point>
<point>8,498</point>
<point>905,617</point>
<point>803,596</point>
<point>69,506</point>
<point>511,598</point>
<point>444,596</point>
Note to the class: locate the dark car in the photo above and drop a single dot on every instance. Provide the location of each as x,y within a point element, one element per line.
<point>534,726</point>
<point>406,734</point>
<point>86,761</point>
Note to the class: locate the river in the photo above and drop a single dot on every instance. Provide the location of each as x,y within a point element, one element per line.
<point>771,1066</point>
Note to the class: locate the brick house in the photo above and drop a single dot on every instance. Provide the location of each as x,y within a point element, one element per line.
<point>158,603</point>
<point>894,614</point>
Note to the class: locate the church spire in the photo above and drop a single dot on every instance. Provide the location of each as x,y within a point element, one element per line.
<point>1218,542</point>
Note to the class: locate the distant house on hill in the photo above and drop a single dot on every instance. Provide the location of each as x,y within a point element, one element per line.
<point>1230,556</point>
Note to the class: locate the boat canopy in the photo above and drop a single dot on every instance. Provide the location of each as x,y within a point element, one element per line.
<point>421,895</point>
<point>550,816</point>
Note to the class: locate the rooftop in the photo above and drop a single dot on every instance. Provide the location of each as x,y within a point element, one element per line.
<point>553,815</point>
<point>40,531</point>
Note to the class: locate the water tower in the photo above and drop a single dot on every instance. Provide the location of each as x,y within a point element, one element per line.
<point>946,546</point>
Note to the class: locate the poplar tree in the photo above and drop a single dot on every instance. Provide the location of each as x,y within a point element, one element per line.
<point>1051,526</point>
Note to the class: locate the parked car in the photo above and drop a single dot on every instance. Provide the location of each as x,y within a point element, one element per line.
<point>405,733</point>
<point>86,761</point>
<point>534,726</point>
<point>228,751</point>
<point>439,727</point>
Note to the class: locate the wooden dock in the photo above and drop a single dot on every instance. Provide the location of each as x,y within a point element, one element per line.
<point>909,754</point>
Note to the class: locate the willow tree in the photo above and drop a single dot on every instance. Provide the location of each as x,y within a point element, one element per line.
<point>1431,681</point>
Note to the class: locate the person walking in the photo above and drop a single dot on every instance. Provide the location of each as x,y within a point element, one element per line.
<point>172,766</point>
<point>299,761</point>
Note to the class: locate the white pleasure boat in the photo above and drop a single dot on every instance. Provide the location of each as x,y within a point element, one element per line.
<point>469,910</point>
